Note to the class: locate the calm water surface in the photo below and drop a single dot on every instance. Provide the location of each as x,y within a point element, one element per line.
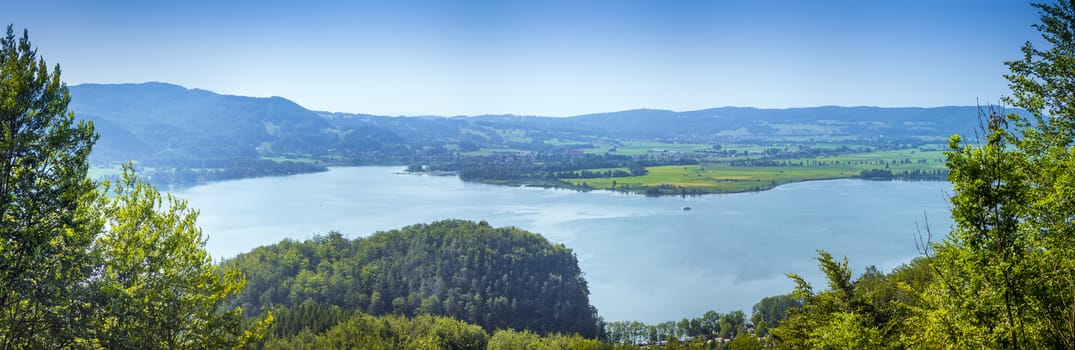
<point>646,259</point>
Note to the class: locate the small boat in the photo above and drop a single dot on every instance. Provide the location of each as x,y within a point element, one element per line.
<point>686,208</point>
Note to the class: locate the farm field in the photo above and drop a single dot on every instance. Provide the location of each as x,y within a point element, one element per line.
<point>724,177</point>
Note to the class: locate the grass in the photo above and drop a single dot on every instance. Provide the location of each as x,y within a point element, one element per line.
<point>722,177</point>
<point>640,148</point>
<point>899,160</point>
<point>719,178</point>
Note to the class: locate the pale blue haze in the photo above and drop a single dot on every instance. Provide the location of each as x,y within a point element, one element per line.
<point>556,57</point>
<point>645,258</point>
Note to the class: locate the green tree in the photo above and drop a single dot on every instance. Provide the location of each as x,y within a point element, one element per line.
<point>1043,83</point>
<point>732,324</point>
<point>43,244</point>
<point>845,330</point>
<point>745,342</point>
<point>497,278</point>
<point>364,331</point>
<point>864,312</point>
<point>710,323</point>
<point>507,339</point>
<point>987,262</point>
<point>1006,272</point>
<point>771,310</point>
<point>158,287</point>
<point>511,340</point>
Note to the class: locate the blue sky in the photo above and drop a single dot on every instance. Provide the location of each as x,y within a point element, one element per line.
<point>553,57</point>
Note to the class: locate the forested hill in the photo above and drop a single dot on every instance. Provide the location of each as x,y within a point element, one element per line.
<point>159,121</point>
<point>707,125</point>
<point>704,125</point>
<point>176,122</point>
<point>188,136</point>
<point>165,123</point>
<point>498,278</point>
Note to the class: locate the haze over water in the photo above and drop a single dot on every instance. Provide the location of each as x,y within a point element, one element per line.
<point>645,258</point>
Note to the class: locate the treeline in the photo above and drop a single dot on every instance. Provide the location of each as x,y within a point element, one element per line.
<point>95,265</point>
<point>497,278</point>
<point>710,326</point>
<point>587,174</point>
<point>389,332</point>
<point>1004,275</point>
<point>553,167</point>
<point>907,175</point>
<point>774,162</point>
<point>359,330</point>
<point>364,331</point>
<point>182,173</point>
<point>873,311</point>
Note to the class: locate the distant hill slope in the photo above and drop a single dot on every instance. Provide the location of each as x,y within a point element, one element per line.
<point>754,122</point>
<point>164,121</point>
<point>494,277</point>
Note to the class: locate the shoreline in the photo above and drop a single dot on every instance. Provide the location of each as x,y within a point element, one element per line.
<point>667,190</point>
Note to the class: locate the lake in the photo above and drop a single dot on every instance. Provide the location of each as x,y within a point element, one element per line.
<point>645,258</point>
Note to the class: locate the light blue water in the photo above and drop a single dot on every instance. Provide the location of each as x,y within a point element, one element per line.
<point>645,258</point>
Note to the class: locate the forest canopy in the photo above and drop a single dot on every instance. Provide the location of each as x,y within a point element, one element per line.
<point>498,278</point>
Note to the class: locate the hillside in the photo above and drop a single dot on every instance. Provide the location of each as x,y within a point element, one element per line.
<point>189,136</point>
<point>717,124</point>
<point>159,121</point>
<point>497,278</point>
<point>168,123</point>
<point>708,125</point>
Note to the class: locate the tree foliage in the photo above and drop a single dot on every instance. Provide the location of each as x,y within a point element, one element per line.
<point>1004,277</point>
<point>498,278</point>
<point>1008,267</point>
<point>364,331</point>
<point>771,310</point>
<point>745,342</point>
<point>700,331</point>
<point>82,267</point>
<point>43,248</point>
<point>157,286</point>
<point>872,311</point>
<point>510,339</point>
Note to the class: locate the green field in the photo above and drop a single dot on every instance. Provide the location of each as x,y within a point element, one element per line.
<point>722,177</point>
<point>641,148</point>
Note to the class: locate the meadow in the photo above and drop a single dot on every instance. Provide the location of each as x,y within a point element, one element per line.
<point>726,175</point>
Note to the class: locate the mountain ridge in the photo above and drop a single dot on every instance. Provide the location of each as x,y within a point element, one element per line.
<point>159,84</point>
<point>167,125</point>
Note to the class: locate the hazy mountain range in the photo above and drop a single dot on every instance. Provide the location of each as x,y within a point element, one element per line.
<point>163,121</point>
